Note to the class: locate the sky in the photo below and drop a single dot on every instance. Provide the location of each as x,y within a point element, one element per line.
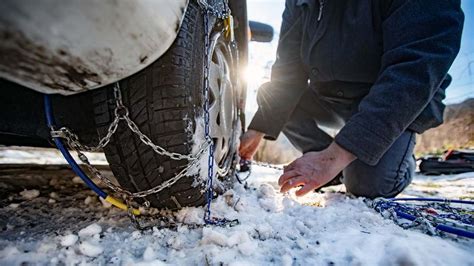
<point>462,69</point>
<point>263,55</point>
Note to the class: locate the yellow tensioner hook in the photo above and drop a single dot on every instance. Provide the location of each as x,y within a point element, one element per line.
<point>229,28</point>
<point>117,203</point>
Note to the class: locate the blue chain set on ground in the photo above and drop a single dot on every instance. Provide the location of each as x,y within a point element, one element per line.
<point>434,216</point>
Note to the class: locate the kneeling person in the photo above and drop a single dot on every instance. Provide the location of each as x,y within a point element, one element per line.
<point>374,70</point>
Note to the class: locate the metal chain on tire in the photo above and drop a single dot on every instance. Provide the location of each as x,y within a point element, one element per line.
<point>222,11</point>
<point>121,113</point>
<point>208,11</point>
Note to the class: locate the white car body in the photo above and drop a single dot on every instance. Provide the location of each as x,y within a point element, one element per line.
<point>71,46</point>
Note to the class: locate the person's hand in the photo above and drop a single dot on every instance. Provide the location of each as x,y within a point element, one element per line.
<point>249,143</point>
<point>315,169</point>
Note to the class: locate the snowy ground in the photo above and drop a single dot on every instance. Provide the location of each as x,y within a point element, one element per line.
<point>56,221</point>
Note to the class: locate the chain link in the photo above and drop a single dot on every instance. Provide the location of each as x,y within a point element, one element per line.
<point>221,9</point>
<point>246,167</point>
<point>267,165</point>
<point>73,140</point>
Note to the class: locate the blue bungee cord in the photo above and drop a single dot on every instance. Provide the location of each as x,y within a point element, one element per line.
<point>59,144</point>
<point>434,200</point>
<point>75,167</point>
<point>441,227</point>
<point>401,212</point>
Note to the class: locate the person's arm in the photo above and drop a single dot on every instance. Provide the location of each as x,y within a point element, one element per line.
<point>278,98</point>
<point>421,38</point>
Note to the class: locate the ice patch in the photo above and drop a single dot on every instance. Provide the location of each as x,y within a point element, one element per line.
<point>9,252</point>
<point>190,215</point>
<point>88,200</point>
<point>90,249</point>
<point>90,230</point>
<point>286,260</point>
<point>30,194</point>
<point>69,240</point>
<point>268,199</point>
<point>212,237</point>
<point>77,180</point>
<point>149,263</point>
<point>266,191</point>
<point>149,254</point>
<point>46,247</point>
<point>136,234</point>
<point>243,242</point>
<point>14,205</point>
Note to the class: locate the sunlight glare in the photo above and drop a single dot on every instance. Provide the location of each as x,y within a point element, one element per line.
<point>254,75</point>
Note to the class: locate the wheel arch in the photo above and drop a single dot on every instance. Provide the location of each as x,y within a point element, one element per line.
<point>67,47</point>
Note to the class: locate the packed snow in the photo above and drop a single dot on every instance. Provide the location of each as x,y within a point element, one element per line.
<point>280,229</point>
<point>21,155</point>
<point>91,249</point>
<point>69,240</point>
<point>91,230</point>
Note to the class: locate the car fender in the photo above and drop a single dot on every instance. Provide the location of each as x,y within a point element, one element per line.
<point>67,47</point>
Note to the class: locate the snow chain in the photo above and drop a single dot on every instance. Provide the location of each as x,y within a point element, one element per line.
<point>220,11</point>
<point>121,113</point>
<point>433,217</point>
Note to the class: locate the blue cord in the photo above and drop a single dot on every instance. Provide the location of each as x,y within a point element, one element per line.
<point>441,227</point>
<point>400,211</point>
<point>75,167</point>
<point>433,200</point>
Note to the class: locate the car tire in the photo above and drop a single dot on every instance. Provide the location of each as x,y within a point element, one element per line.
<point>165,100</point>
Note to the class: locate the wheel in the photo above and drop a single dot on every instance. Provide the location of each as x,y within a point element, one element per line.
<point>166,101</point>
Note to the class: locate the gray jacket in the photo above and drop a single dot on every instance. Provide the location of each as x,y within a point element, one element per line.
<point>389,57</point>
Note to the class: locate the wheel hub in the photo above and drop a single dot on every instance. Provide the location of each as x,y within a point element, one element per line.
<point>222,108</point>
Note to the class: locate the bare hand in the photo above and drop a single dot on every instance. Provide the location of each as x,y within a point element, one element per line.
<point>315,169</point>
<point>249,143</point>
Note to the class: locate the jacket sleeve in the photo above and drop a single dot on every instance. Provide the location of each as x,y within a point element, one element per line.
<point>278,98</point>
<point>421,38</point>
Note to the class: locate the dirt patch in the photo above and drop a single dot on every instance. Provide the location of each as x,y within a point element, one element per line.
<point>23,59</point>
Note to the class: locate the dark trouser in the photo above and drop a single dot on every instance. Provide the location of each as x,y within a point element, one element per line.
<point>388,178</point>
